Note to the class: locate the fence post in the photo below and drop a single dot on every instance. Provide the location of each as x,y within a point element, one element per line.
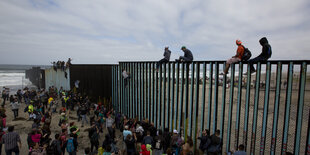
<point>156,99</point>
<point>239,97</point>
<point>255,111</point>
<point>222,125</point>
<point>247,103</point>
<point>191,99</point>
<point>276,109</point>
<point>215,108</point>
<point>181,98</point>
<point>177,98</point>
<point>210,97</point>
<point>301,96</point>
<point>163,113</point>
<point>203,98</point>
<point>160,97</point>
<point>172,112</point>
<point>196,104</point>
<point>169,104</point>
<point>231,101</point>
<point>266,107</point>
<point>287,108</point>
<point>153,93</point>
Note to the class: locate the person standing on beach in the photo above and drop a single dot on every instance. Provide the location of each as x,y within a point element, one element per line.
<point>264,56</point>
<point>188,56</point>
<point>15,106</point>
<point>12,142</point>
<point>166,58</point>
<point>236,58</point>
<point>4,96</point>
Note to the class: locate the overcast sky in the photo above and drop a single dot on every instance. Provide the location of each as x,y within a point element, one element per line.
<point>108,31</point>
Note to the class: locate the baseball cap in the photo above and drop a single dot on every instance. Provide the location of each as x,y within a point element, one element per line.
<point>175,131</point>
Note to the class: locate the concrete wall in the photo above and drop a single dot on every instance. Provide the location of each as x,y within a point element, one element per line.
<point>57,78</point>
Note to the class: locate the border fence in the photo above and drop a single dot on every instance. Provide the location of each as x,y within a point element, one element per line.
<point>267,111</point>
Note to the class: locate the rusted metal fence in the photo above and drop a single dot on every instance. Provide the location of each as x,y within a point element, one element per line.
<point>267,111</point>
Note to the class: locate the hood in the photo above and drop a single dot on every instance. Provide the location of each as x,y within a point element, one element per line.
<point>143,147</point>
<point>149,147</point>
<point>263,41</point>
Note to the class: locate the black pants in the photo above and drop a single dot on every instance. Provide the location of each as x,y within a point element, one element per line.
<point>15,111</point>
<point>4,98</point>
<point>126,81</point>
<point>160,62</point>
<point>94,144</point>
<point>185,59</point>
<point>255,60</point>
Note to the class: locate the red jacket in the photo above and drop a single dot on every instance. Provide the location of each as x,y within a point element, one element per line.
<point>144,151</point>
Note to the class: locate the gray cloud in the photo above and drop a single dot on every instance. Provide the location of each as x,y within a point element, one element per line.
<point>37,32</point>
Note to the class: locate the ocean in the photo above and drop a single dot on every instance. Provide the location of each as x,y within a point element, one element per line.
<point>14,77</point>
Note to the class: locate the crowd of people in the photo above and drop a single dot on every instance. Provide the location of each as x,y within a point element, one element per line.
<point>61,64</point>
<point>122,135</point>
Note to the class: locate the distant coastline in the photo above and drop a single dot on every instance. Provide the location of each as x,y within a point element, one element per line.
<point>20,67</point>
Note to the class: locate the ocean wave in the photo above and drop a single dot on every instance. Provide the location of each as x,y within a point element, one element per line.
<point>13,78</point>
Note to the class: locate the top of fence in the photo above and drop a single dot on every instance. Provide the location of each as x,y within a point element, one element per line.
<point>221,61</point>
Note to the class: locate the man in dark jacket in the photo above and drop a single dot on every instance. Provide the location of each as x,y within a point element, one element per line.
<point>205,141</point>
<point>166,58</point>
<point>264,56</point>
<point>188,56</point>
<point>56,145</point>
<point>216,143</point>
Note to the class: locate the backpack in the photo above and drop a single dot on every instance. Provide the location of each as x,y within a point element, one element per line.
<point>52,149</point>
<point>246,55</point>
<point>158,144</point>
<point>70,145</point>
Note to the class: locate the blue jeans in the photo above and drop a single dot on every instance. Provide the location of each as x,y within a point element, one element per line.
<point>15,150</point>
<point>255,60</point>
<point>84,118</point>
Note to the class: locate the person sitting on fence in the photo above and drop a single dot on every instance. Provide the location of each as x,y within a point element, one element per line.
<point>68,63</point>
<point>188,56</point>
<point>264,56</point>
<point>166,58</point>
<point>126,76</point>
<point>236,58</point>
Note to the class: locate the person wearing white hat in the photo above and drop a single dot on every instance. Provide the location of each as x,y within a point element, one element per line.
<point>176,141</point>
<point>166,58</point>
